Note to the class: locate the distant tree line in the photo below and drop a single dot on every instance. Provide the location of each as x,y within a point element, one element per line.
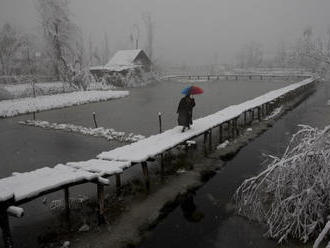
<point>307,51</point>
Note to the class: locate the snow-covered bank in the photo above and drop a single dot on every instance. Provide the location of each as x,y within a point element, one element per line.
<point>9,108</point>
<point>107,133</point>
<point>48,88</point>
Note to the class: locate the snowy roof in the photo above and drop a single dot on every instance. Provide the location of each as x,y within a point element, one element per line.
<point>123,58</point>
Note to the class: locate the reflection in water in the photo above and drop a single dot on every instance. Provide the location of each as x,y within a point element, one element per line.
<point>189,208</point>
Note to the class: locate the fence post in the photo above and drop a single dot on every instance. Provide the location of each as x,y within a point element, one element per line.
<point>94,118</point>
<point>160,122</point>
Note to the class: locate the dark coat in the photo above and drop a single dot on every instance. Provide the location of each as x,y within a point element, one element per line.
<point>185,111</point>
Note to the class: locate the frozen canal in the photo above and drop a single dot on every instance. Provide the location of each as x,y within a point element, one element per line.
<point>26,148</point>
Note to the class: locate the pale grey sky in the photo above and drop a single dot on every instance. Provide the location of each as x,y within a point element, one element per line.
<point>189,31</point>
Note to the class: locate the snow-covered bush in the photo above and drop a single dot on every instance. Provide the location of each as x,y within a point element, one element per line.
<point>132,78</point>
<point>4,94</point>
<point>81,79</point>
<point>292,196</point>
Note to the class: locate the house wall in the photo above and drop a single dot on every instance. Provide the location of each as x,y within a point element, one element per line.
<point>142,59</point>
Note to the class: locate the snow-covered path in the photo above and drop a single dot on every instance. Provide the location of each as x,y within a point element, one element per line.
<point>9,108</point>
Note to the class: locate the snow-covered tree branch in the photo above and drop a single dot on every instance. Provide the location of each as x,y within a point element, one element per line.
<point>292,195</point>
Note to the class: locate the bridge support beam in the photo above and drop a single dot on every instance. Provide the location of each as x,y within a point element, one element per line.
<point>210,139</point>
<point>220,133</point>
<point>145,172</point>
<point>118,184</point>
<point>100,200</point>
<point>4,224</point>
<point>67,203</point>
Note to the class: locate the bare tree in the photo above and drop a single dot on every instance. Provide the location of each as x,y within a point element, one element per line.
<point>63,37</point>
<point>135,36</point>
<point>150,33</point>
<point>10,42</point>
<point>312,52</point>
<point>106,50</point>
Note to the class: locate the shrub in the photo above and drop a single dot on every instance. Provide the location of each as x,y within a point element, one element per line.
<point>292,194</point>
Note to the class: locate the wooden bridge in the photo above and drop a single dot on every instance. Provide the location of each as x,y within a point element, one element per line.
<point>21,188</point>
<point>236,76</point>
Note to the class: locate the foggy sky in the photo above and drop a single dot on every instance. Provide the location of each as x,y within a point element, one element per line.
<point>187,31</point>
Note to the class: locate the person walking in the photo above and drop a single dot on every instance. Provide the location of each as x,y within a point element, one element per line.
<point>185,109</point>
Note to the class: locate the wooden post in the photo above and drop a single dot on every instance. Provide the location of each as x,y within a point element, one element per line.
<point>208,77</point>
<point>236,127</point>
<point>100,199</point>
<point>4,224</point>
<point>118,184</point>
<point>244,118</point>
<point>228,129</point>
<point>210,139</point>
<point>34,115</point>
<point>67,203</point>
<point>94,118</point>
<point>233,128</point>
<point>160,122</point>
<point>259,113</point>
<point>236,77</point>
<point>204,143</point>
<point>220,133</point>
<point>162,169</point>
<point>146,175</point>
<point>252,112</point>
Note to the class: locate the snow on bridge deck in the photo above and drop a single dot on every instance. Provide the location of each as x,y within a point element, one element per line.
<point>157,144</point>
<point>101,167</point>
<point>31,184</point>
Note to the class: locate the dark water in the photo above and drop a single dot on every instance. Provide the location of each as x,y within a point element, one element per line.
<point>220,227</point>
<point>26,148</point>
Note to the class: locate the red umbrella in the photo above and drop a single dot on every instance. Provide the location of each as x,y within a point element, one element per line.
<point>193,90</point>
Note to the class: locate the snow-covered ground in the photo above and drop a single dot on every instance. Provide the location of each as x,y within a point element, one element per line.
<point>14,107</point>
<point>109,134</point>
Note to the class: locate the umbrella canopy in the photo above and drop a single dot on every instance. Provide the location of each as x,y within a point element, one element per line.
<point>193,90</point>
